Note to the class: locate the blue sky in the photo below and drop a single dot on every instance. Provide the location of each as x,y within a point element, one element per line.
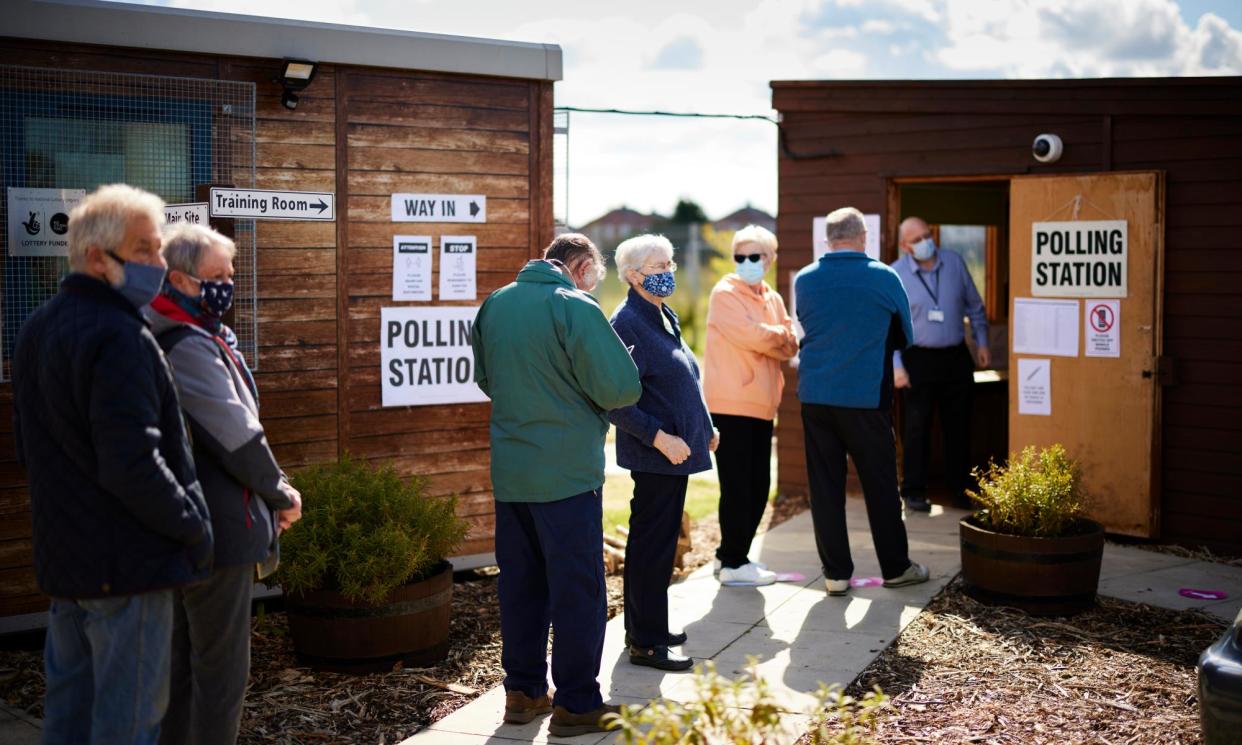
<point>718,56</point>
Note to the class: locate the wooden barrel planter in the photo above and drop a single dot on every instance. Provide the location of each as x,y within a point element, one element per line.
<point>1042,576</point>
<point>331,632</point>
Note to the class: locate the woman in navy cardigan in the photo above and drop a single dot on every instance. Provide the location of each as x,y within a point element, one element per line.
<point>662,439</point>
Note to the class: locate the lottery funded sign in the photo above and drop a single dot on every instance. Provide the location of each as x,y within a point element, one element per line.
<point>1083,258</point>
<point>265,204</point>
<point>426,357</point>
<point>39,220</point>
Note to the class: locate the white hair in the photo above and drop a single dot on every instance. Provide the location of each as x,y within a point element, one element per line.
<point>845,224</point>
<point>759,236</point>
<point>104,216</point>
<point>184,244</point>
<point>634,252</point>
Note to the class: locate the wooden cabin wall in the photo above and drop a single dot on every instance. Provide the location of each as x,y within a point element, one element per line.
<point>1188,128</point>
<point>364,134</point>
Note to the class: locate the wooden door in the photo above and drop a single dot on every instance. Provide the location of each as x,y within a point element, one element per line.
<point>1104,410</point>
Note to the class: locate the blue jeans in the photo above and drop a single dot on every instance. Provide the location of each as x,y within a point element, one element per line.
<point>107,663</point>
<point>551,559</point>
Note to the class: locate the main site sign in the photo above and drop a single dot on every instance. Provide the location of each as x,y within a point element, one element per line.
<point>264,204</point>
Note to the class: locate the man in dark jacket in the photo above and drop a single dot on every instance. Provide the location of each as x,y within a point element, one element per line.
<point>249,497</point>
<point>119,518</point>
<point>552,366</point>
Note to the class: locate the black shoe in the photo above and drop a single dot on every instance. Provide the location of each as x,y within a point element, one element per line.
<point>660,658</point>
<point>674,640</point>
<point>918,504</point>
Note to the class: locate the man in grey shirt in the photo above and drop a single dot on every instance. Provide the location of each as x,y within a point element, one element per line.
<point>938,370</point>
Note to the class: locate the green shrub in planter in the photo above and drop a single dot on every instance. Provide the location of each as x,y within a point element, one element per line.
<point>1035,494</point>
<point>365,531</point>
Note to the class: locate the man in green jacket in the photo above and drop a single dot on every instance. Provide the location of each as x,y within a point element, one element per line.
<point>551,363</point>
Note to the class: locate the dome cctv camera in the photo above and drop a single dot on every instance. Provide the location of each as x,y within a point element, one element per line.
<point>1047,148</point>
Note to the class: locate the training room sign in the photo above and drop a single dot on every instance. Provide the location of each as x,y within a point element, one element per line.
<point>1085,258</point>
<point>39,220</point>
<point>426,357</point>
<point>266,204</point>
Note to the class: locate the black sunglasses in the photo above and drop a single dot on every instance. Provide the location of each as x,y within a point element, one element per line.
<point>739,258</point>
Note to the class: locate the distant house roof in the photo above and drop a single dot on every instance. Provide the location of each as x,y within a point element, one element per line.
<point>745,216</point>
<point>624,216</point>
<point>143,26</point>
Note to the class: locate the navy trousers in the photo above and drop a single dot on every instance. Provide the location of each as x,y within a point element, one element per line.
<point>551,559</point>
<point>655,521</point>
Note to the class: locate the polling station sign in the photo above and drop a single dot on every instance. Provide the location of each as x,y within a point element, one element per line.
<point>426,357</point>
<point>1087,258</point>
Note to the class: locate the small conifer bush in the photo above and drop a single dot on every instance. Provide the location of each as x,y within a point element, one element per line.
<point>1035,494</point>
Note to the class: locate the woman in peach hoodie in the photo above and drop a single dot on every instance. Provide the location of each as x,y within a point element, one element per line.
<point>749,334</point>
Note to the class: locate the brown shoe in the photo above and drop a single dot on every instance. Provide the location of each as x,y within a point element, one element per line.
<point>567,724</point>
<point>521,709</point>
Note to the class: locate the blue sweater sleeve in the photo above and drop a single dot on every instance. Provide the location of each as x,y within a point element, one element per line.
<point>902,301</point>
<point>632,419</point>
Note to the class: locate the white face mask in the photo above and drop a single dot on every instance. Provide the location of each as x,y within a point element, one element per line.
<point>751,272</point>
<point>925,249</point>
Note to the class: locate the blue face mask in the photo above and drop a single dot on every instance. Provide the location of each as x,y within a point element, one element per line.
<point>141,282</point>
<point>216,297</point>
<point>925,249</point>
<point>660,285</point>
<point>751,272</point>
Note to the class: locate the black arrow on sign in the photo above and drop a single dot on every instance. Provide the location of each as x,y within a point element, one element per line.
<point>322,205</point>
<point>474,208</point>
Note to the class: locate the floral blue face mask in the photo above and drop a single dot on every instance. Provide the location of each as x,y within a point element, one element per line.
<point>660,285</point>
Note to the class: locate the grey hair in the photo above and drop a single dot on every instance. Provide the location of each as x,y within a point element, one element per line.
<point>103,218</point>
<point>759,236</point>
<point>845,224</point>
<point>184,244</point>
<point>632,253</point>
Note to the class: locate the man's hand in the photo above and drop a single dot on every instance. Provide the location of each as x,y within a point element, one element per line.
<point>715,443</point>
<point>900,378</point>
<point>985,358</point>
<point>673,447</point>
<point>287,517</point>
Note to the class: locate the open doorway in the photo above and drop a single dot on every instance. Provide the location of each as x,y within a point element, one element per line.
<point>971,218</point>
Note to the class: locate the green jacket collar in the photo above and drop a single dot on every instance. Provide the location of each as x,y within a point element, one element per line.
<point>539,271</point>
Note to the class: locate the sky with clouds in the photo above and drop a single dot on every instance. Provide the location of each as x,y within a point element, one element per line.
<point>718,56</point>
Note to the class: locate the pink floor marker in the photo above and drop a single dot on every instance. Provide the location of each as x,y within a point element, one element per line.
<point>790,577</point>
<point>1188,592</point>
<point>867,582</point>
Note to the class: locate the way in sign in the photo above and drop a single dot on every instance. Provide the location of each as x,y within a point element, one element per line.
<point>434,208</point>
<point>272,205</point>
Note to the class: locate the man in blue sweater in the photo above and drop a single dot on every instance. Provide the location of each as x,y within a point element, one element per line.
<point>855,314</point>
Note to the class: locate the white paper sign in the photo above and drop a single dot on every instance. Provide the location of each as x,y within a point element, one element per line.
<point>819,236</point>
<point>1045,327</point>
<point>411,267</point>
<point>439,208</point>
<point>267,204</point>
<point>426,357</point>
<point>39,220</point>
<point>457,267</point>
<point>1035,386</point>
<point>1102,327</point>
<point>1084,258</point>
<point>194,213</point>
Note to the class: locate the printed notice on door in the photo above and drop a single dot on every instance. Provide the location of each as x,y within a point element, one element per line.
<point>1103,328</point>
<point>1035,386</point>
<point>457,267</point>
<point>1045,326</point>
<point>411,267</point>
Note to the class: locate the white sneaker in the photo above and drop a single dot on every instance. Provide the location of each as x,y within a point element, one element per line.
<point>915,574</point>
<point>716,567</point>
<point>837,587</point>
<point>747,575</point>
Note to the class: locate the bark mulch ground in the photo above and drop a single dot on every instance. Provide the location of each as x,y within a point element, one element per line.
<point>966,672</point>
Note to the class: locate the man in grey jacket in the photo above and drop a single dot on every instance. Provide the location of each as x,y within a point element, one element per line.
<point>249,498</point>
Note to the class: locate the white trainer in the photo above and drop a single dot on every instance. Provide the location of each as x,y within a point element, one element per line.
<point>716,567</point>
<point>747,575</point>
<point>915,574</point>
<point>837,587</point>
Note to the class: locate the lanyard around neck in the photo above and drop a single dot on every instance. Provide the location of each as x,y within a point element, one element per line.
<point>935,296</point>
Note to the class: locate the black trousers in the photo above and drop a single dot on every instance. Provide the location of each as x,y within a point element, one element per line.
<point>939,379</point>
<point>830,432</point>
<point>743,460</point>
<point>655,521</point>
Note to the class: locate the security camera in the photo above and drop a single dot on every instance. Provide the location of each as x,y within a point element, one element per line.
<point>1047,148</point>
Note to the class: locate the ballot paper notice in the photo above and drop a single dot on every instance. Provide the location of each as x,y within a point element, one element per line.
<point>1035,386</point>
<point>457,267</point>
<point>411,267</point>
<point>1045,326</point>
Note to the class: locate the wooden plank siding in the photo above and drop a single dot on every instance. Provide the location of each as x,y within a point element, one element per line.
<point>1187,128</point>
<point>363,133</point>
